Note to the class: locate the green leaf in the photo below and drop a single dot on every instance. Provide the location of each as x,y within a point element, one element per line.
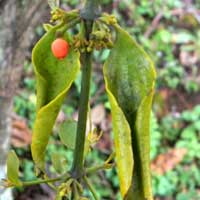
<point>122,141</point>
<point>13,169</point>
<point>59,162</point>
<point>67,133</point>
<point>129,75</point>
<point>54,78</point>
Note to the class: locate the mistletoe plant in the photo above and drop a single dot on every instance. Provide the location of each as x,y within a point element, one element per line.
<point>129,79</point>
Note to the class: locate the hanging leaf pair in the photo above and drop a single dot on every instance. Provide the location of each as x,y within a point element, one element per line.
<point>129,77</point>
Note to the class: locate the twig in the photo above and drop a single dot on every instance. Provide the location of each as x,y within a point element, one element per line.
<point>154,24</point>
<point>90,187</point>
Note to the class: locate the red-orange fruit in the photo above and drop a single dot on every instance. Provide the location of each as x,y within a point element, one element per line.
<point>60,48</point>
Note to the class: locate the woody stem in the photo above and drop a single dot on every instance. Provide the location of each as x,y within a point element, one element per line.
<point>88,14</point>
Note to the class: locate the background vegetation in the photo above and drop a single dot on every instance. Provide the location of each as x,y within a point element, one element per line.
<point>170,32</point>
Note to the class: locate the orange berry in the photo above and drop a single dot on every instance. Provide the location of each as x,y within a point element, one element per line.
<point>60,48</point>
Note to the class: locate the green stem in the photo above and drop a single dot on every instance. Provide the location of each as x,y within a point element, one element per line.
<point>77,169</point>
<point>99,167</point>
<point>36,182</point>
<point>75,192</point>
<point>82,119</point>
<point>90,187</point>
<point>91,10</point>
<point>105,165</point>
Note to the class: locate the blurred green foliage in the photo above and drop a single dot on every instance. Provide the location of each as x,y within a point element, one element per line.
<point>171,36</point>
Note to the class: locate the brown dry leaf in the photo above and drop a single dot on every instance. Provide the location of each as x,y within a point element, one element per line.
<point>168,161</point>
<point>98,114</point>
<point>106,124</point>
<point>21,135</point>
<point>105,144</point>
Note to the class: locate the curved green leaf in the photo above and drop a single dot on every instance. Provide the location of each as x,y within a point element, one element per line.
<point>129,75</point>
<point>122,141</point>
<point>13,169</point>
<point>54,78</point>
